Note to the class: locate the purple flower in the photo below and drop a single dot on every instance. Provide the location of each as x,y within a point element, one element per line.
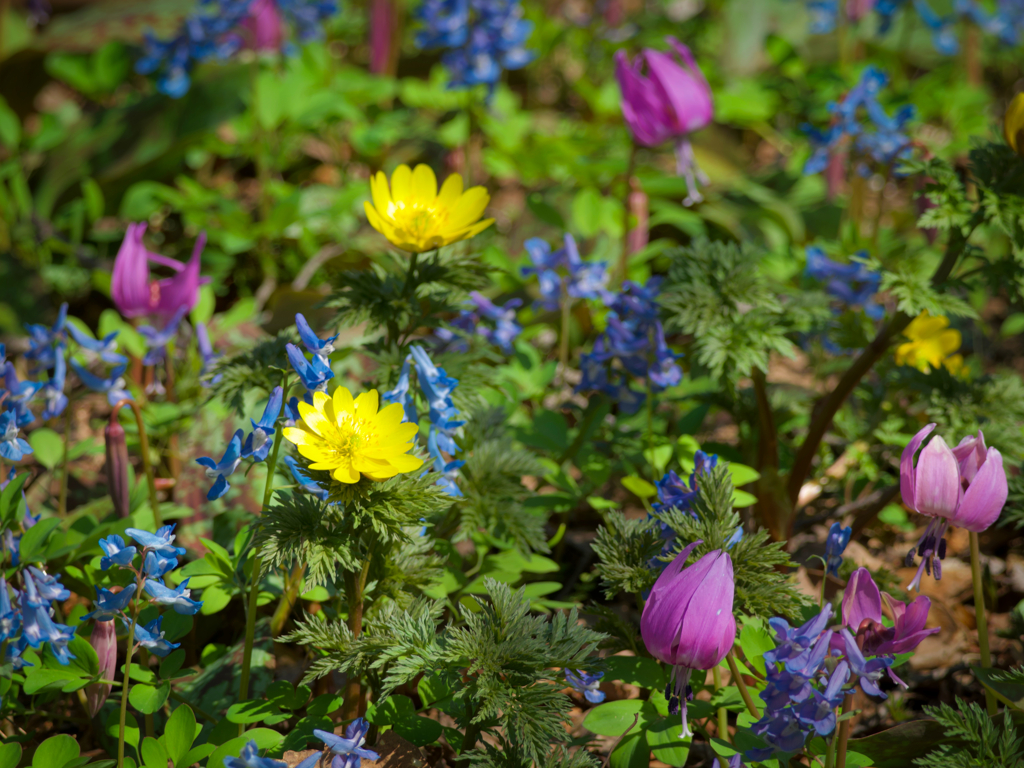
<point>249,757</point>
<point>506,329</point>
<point>672,101</point>
<point>206,354</point>
<point>44,342</point>
<point>135,294</point>
<point>835,545</point>
<point>587,684</point>
<point>852,284</point>
<point>157,341</point>
<point>689,633</point>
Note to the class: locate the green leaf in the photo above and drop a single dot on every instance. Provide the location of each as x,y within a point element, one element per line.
<point>131,728</point>
<point>287,696</point>
<point>325,704</point>
<point>635,670</point>
<point>10,755</point>
<point>432,688</point>
<point>10,498</point>
<point>264,738</point>
<point>148,699</point>
<point>179,733</point>
<point>1014,691</point>
<point>56,752</point>
<point>47,447</point>
<point>41,678</point>
<point>614,717</point>
<point>632,752</point>
<point>172,663</point>
<point>897,747</point>
<point>755,642</point>
<point>666,744</point>
<point>392,710</point>
<point>215,599</point>
<point>154,755</point>
<point>742,474</point>
<point>419,730</point>
<point>586,212</point>
<point>742,499</point>
<point>639,486</point>
<point>33,543</point>
<point>256,711</point>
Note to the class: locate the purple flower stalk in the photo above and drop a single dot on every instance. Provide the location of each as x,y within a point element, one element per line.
<point>670,102</point>
<point>688,621</point>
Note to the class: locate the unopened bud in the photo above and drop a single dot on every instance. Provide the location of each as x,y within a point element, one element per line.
<point>104,642</point>
<point>638,209</point>
<point>1013,124</point>
<point>117,466</point>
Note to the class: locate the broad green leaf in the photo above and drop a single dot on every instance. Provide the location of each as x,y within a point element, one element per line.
<point>419,730</point>
<point>256,711</point>
<point>663,736</point>
<point>639,486</point>
<point>432,688</point>
<point>172,663</point>
<point>632,752</point>
<point>10,498</point>
<point>148,699</point>
<point>613,717</point>
<point>742,499</point>
<point>40,678</point>
<point>154,755</point>
<point>755,642</point>
<point>391,710</point>
<point>635,670</point>
<point>10,755</point>
<point>33,543</point>
<point>47,447</point>
<point>742,474</point>
<point>215,599</point>
<point>287,696</point>
<point>1013,691</point>
<point>131,728</point>
<point>179,734</point>
<point>56,752</point>
<point>264,738</point>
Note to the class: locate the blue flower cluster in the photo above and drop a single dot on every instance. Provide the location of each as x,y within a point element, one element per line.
<point>158,556</point>
<point>480,38</point>
<point>851,284</point>
<point>11,542</point>
<point>27,620</point>
<point>835,545</point>
<point>587,684</point>
<point>504,332</point>
<point>249,757</point>
<point>255,446</point>
<point>633,344</point>
<point>563,274</point>
<point>343,751</point>
<point>437,387</point>
<point>213,32</point>
<point>884,144</point>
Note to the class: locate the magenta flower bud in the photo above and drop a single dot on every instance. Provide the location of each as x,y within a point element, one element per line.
<point>117,466</point>
<point>861,600</point>
<point>670,102</point>
<point>688,621</point>
<point>135,294</point>
<point>264,26</point>
<point>104,642</point>
<point>639,208</point>
<point>382,24</point>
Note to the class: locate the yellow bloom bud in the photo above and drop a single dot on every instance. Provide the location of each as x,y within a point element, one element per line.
<point>1013,124</point>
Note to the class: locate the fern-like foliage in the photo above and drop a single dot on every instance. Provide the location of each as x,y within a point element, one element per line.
<point>945,191</point>
<point>261,367</point>
<point>625,549</point>
<point>978,740</point>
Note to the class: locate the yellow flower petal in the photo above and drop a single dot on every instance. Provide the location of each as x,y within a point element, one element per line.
<point>401,185</point>
<point>468,209</point>
<point>406,463</point>
<point>366,405</point>
<point>451,191</point>
<point>379,192</point>
<point>346,473</point>
<point>424,185</point>
<point>342,401</point>
<point>314,419</point>
<point>1013,123</point>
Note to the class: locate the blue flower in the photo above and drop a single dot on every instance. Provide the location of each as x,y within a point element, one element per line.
<point>835,545</point>
<point>258,443</point>
<point>179,598</point>
<point>792,642</point>
<point>315,374</point>
<point>249,757</point>
<point>49,587</point>
<point>52,391</point>
<point>162,541</point>
<point>12,447</point>
<point>587,684</point>
<point>157,565</point>
<point>867,672</point>
<point>10,619</point>
<point>115,387</point>
<point>852,284</point>
<point>219,471</point>
<point>105,348</point>
<point>157,341</point>
<point>447,471</point>
<point>322,348</point>
<point>304,481</point>
<point>110,605</point>
<point>39,627</point>
<point>19,395</point>
<point>400,393</point>
<point>43,342</point>
<point>152,638</point>
<point>819,711</point>
<point>207,355</point>
<point>351,743</point>
<point>505,330</point>
<point>116,552</point>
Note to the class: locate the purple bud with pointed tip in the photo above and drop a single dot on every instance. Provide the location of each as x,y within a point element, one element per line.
<point>117,466</point>
<point>104,642</point>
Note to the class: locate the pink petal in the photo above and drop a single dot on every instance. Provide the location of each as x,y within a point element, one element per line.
<point>129,283</point>
<point>708,629</point>
<point>687,97</point>
<point>182,290</point>
<point>937,485</point>
<point>861,600</point>
<point>985,496</point>
<point>669,598</point>
<point>907,466</point>
<point>642,109</point>
<point>971,454</point>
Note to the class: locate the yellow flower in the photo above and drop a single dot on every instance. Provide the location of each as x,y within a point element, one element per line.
<point>413,216</point>
<point>350,438</point>
<point>931,344</point>
<point>1013,124</point>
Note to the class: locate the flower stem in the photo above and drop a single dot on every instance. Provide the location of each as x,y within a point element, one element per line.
<point>355,587</point>
<point>742,685</point>
<point>292,582</point>
<point>257,569</point>
<point>723,713</point>
<point>124,693</point>
<point>173,449</point>
<point>844,732</point>
<point>981,619</point>
<point>563,340</point>
<point>624,256</point>
<point>62,504</point>
<point>147,467</point>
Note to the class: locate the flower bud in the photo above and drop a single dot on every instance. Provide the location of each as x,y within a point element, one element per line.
<point>1013,124</point>
<point>639,209</point>
<point>104,642</point>
<point>688,620</point>
<point>117,466</point>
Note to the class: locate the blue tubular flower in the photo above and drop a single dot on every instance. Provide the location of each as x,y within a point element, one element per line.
<point>152,638</point>
<point>401,394</point>
<point>587,684</point>
<point>482,38</point>
<point>447,471</point>
<point>351,743</point>
<point>39,627</point>
<point>105,348</point>
<point>206,354</point>
<point>12,447</point>
<point>307,17</point>
<point>161,542</point>
<point>545,264</point>
<point>10,619</point>
<point>867,672</point>
<point>835,545</point>
<point>116,552</point>
<point>819,711</point>
<point>219,471</point>
<point>114,386</point>
<point>43,342</point>
<point>52,391</point>
<point>852,284</point>
<point>19,395</point>
<point>258,443</point>
<point>322,348</point>
<point>157,565</point>
<point>506,329</point>
<point>157,341</point>
<point>49,587</point>
<point>314,375</point>
<point>178,598</point>
<point>249,757</point>
<point>304,481</point>
<point>110,605</point>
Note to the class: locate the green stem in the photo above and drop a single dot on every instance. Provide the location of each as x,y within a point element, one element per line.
<point>844,733</point>
<point>355,588</point>
<point>292,582</point>
<point>124,692</point>
<point>624,256</point>
<point>148,719</point>
<point>563,341</point>
<point>723,713</point>
<point>147,467</point>
<point>742,685</point>
<point>257,569</point>
<point>981,619</point>
<point>62,504</point>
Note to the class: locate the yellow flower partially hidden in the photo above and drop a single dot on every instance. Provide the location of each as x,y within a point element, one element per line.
<point>932,343</point>
<point>413,216</point>
<point>1013,124</point>
<point>350,438</point>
